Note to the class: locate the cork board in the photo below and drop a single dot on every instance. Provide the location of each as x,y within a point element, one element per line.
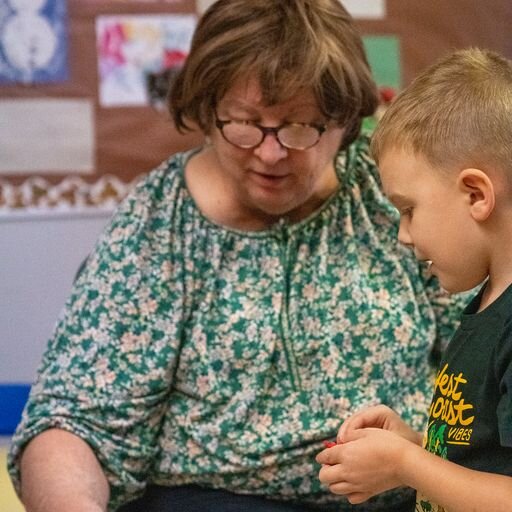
<point>128,140</point>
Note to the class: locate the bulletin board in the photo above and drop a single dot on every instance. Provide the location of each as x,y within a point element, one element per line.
<point>122,141</point>
<point>423,31</point>
<point>106,133</point>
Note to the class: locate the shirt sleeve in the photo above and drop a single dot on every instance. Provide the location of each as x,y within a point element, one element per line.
<point>107,369</point>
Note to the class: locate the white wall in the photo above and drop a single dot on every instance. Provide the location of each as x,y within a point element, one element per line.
<point>39,256</point>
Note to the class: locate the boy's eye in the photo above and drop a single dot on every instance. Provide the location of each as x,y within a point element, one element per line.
<point>406,212</point>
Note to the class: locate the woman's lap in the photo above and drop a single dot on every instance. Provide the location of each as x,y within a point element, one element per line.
<point>192,498</point>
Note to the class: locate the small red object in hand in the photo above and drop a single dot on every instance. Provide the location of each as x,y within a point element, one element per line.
<point>329,444</point>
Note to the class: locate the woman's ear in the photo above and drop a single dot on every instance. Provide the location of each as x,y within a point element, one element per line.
<point>479,189</point>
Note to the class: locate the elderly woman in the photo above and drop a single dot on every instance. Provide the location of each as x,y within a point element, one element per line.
<point>246,296</point>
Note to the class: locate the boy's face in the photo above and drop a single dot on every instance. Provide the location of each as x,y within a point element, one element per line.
<point>435,218</point>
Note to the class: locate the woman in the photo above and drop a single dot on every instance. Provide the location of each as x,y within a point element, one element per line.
<point>246,296</point>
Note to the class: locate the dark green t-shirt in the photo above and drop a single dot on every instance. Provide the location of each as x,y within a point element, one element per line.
<point>470,418</point>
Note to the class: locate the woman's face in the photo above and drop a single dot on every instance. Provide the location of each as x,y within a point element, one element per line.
<point>271,180</point>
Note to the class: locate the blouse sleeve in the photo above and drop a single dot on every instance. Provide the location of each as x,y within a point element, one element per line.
<point>107,369</point>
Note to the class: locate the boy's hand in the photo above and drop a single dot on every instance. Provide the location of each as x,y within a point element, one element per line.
<point>367,463</point>
<point>379,416</point>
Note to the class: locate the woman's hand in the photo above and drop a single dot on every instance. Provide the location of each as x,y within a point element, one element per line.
<point>367,463</point>
<point>379,416</point>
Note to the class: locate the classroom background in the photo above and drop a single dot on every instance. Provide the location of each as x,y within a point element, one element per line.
<point>82,117</point>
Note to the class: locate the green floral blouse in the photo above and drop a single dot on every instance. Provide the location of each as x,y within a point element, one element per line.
<point>193,353</point>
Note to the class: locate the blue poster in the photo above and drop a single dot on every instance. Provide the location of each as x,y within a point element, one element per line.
<point>33,41</point>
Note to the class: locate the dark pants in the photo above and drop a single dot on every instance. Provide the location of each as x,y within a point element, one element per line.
<point>192,498</point>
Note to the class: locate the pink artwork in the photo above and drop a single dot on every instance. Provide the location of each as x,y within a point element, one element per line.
<point>132,49</point>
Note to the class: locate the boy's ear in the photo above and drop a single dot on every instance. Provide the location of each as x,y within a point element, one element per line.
<point>480,192</point>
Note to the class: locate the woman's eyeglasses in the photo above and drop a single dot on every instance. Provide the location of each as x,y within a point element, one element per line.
<point>247,135</point>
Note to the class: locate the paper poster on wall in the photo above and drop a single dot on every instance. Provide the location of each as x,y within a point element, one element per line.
<point>384,58</point>
<point>33,41</point>
<point>58,139</point>
<point>383,54</point>
<point>134,48</point>
<point>367,9</point>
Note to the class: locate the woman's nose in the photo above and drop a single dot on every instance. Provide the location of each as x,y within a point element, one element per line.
<point>270,151</point>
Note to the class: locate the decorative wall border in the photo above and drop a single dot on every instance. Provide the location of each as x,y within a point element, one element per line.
<point>38,194</point>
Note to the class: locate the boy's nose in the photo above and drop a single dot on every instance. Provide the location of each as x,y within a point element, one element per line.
<point>404,237</point>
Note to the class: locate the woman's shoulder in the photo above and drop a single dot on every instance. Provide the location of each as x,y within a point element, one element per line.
<point>168,174</point>
<point>158,197</point>
<point>161,186</point>
<point>355,164</point>
<point>360,180</point>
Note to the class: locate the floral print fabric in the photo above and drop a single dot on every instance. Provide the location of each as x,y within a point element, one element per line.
<point>192,353</point>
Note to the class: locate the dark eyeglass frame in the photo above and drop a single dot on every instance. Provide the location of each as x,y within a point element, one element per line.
<point>266,130</point>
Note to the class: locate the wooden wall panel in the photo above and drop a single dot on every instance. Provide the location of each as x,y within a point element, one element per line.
<point>429,29</point>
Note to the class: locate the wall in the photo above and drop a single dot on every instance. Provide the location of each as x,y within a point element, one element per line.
<point>39,257</point>
<point>38,261</point>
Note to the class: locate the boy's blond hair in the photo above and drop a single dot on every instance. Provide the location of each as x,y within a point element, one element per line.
<point>456,113</point>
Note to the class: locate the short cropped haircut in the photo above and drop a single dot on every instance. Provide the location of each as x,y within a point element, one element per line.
<point>457,113</point>
<point>288,46</point>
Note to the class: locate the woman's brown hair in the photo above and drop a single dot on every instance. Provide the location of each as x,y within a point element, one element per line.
<point>289,46</point>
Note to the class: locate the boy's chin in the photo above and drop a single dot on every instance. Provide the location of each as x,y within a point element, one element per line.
<point>452,288</point>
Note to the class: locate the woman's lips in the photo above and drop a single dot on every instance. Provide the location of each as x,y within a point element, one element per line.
<point>268,180</point>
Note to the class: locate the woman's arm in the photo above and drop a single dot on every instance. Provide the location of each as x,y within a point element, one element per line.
<point>60,473</point>
<point>105,375</point>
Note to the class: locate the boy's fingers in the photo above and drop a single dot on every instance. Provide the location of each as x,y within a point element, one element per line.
<point>358,497</point>
<point>347,489</point>
<point>329,455</point>
<point>342,488</point>
<point>330,474</point>
<point>360,433</point>
<point>356,422</point>
<point>321,457</point>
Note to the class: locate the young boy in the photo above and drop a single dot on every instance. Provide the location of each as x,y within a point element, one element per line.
<point>444,150</point>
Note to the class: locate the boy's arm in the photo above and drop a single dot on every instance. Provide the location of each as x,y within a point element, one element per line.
<point>375,460</point>
<point>454,487</point>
